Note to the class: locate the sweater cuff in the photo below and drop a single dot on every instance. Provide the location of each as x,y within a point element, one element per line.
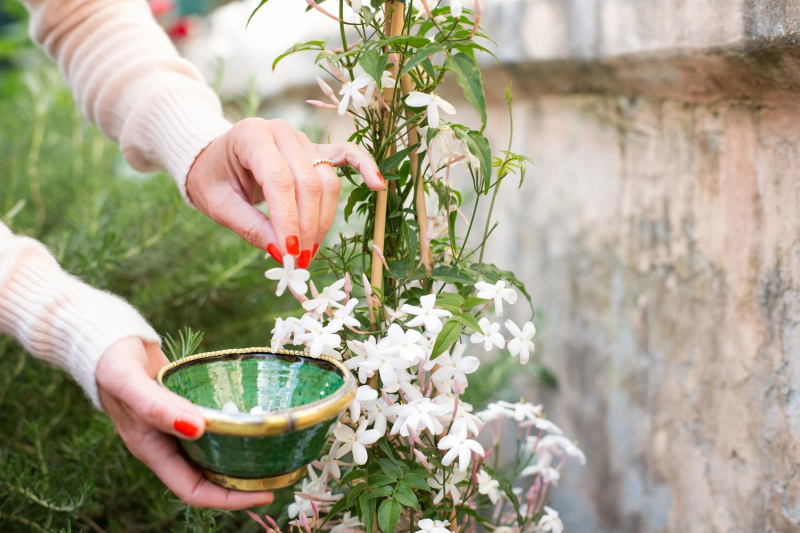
<point>170,127</point>
<point>62,320</point>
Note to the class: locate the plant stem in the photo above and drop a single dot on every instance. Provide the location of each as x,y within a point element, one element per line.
<point>486,229</point>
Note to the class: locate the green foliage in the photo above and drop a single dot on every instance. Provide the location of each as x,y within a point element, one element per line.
<point>62,465</point>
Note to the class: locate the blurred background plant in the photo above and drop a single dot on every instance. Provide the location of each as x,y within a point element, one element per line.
<point>62,466</point>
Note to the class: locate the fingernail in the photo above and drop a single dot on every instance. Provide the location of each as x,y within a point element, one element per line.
<point>185,427</point>
<point>293,244</point>
<point>305,259</point>
<point>275,253</point>
<point>314,251</point>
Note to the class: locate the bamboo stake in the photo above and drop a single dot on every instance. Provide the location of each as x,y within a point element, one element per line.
<point>394,13</point>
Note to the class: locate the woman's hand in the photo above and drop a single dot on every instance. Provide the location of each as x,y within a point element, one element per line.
<point>260,159</point>
<point>148,417</point>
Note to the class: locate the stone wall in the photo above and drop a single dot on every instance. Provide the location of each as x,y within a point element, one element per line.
<point>661,237</point>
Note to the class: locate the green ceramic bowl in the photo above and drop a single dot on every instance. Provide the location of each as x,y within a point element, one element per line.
<point>302,399</point>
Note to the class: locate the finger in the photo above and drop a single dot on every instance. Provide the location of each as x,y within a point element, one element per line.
<point>236,214</point>
<point>276,179</point>
<point>307,186</point>
<point>351,154</point>
<point>329,201</point>
<point>162,409</point>
<point>189,485</point>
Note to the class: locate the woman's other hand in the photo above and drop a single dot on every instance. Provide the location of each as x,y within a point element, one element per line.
<point>266,160</point>
<point>148,418</point>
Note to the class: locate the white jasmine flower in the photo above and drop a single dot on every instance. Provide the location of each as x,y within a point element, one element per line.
<point>356,5</point>
<point>522,410</point>
<point>426,314</point>
<point>544,468</point>
<point>489,334</point>
<point>522,344</point>
<point>466,423</point>
<point>330,466</point>
<point>455,8</point>
<point>345,313</point>
<point>356,441</point>
<point>450,485</point>
<point>327,298</point>
<point>364,393</point>
<point>426,525</point>
<point>376,413</point>
<point>393,315</point>
<point>460,447</point>
<point>433,102</point>
<point>352,91</point>
<point>288,276</point>
<point>492,412</point>
<point>558,445</point>
<point>348,524</point>
<point>488,486</point>
<point>418,414</point>
<point>282,331</point>
<point>385,360</point>
<point>321,339</point>
<point>361,359</point>
<point>544,425</point>
<point>446,149</point>
<point>455,367</point>
<point>407,343</point>
<point>497,292</point>
<point>551,521</point>
<point>387,82</point>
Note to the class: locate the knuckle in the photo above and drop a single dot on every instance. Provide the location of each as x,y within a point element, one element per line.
<point>279,124</point>
<point>282,180</point>
<point>253,125</point>
<point>311,186</point>
<point>333,185</point>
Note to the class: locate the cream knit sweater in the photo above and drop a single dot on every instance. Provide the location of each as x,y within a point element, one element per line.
<point>130,81</point>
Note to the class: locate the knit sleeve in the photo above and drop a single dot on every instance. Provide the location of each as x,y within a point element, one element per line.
<point>130,80</point>
<point>57,317</point>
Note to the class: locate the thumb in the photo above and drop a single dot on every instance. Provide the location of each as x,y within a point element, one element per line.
<point>162,409</point>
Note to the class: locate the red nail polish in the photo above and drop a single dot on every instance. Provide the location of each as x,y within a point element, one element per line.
<point>293,244</point>
<point>185,427</point>
<point>314,251</point>
<point>381,177</point>
<point>305,259</point>
<point>275,253</point>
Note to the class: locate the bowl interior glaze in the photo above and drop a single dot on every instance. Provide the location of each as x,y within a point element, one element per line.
<point>275,382</point>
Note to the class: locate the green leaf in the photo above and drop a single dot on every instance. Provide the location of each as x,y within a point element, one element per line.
<point>413,41</point>
<point>358,195</point>
<point>474,301</point>
<point>484,155</point>
<point>388,515</point>
<point>374,63</point>
<point>389,468</point>
<point>492,274</point>
<point>381,492</point>
<point>406,497</point>
<point>451,331</point>
<point>450,274</point>
<point>378,480</point>
<point>451,298</point>
<point>342,504</point>
<point>358,489</point>
<point>299,47</point>
<point>384,446</point>
<point>469,77</point>
<point>400,269</point>
<point>253,14</point>
<point>393,161</point>
<point>353,475</point>
<point>367,506</point>
<point>471,322</point>
<point>415,481</point>
<point>421,55</point>
<point>410,237</point>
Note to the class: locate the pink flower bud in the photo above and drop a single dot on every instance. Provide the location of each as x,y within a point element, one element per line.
<point>326,90</point>
<point>348,287</point>
<point>379,253</point>
<point>319,8</point>
<point>478,16</point>
<point>321,105</point>
<point>367,285</point>
<point>314,292</point>
<point>423,460</point>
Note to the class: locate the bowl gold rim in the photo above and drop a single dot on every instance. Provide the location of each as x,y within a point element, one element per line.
<point>286,421</point>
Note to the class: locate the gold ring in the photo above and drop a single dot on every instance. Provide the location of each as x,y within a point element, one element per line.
<point>322,162</point>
